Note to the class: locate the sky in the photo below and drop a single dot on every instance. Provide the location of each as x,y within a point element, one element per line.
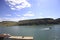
<point>16,10</point>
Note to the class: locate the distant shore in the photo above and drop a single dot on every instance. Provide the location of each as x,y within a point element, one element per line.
<point>31,22</point>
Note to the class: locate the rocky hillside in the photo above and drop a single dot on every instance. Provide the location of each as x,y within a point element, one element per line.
<point>39,21</point>
<point>31,22</point>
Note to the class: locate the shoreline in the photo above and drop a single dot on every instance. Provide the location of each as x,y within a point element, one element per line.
<point>43,21</point>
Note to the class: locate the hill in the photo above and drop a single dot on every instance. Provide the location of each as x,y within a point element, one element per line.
<point>31,22</point>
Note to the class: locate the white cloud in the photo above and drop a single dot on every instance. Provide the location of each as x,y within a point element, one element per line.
<point>3,19</point>
<point>29,13</point>
<point>9,19</point>
<point>0,19</point>
<point>13,19</point>
<point>18,4</point>
<point>51,17</point>
<point>17,19</point>
<point>23,18</point>
<point>12,8</point>
<point>41,17</point>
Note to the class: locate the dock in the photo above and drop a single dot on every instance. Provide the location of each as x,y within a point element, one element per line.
<point>2,36</point>
<point>21,38</point>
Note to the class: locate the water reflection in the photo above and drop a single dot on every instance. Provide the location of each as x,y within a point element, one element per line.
<point>45,29</point>
<point>38,32</point>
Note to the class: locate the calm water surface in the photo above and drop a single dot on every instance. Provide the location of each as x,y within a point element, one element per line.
<point>41,32</point>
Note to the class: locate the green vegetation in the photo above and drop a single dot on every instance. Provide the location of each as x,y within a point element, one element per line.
<point>8,23</point>
<point>43,21</point>
<point>31,22</point>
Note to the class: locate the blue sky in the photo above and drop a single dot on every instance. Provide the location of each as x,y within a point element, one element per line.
<point>15,10</point>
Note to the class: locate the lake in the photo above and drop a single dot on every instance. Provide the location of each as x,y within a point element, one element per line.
<point>40,32</point>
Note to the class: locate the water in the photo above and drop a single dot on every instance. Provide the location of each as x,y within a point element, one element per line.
<point>40,32</point>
